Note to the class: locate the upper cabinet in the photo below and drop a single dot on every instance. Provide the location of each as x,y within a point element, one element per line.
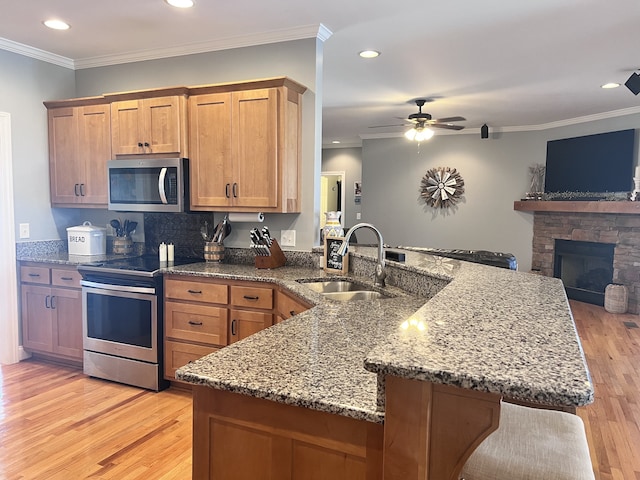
<point>79,147</point>
<point>149,126</point>
<point>243,141</point>
<point>245,146</point>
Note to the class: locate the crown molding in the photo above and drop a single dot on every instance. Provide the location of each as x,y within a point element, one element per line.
<point>263,38</point>
<point>32,52</point>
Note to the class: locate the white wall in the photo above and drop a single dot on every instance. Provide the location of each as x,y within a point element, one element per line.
<point>495,172</point>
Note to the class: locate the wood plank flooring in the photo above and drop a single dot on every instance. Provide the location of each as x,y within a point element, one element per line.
<point>612,422</point>
<point>58,424</point>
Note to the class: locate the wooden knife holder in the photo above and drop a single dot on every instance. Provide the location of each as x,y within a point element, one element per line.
<point>275,260</point>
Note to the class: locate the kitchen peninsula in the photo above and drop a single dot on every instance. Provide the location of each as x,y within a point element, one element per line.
<point>360,389</point>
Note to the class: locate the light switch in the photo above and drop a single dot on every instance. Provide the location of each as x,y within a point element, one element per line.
<point>358,216</point>
<point>288,238</point>
<point>24,230</point>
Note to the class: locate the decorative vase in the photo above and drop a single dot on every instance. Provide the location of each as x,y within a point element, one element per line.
<point>332,227</point>
<point>616,298</point>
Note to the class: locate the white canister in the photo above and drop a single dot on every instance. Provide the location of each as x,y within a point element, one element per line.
<point>87,240</point>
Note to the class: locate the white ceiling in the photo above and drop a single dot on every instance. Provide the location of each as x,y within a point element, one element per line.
<point>512,64</point>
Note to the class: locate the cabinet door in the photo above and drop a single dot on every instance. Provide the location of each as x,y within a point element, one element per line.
<point>37,322</point>
<point>289,306</point>
<point>210,166</point>
<point>94,146</point>
<point>66,306</point>
<point>178,354</point>
<point>162,125</point>
<point>255,148</point>
<point>66,170</point>
<point>245,323</point>
<point>127,127</point>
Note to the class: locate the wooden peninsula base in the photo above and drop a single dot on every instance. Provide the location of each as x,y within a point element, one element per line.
<point>430,430</point>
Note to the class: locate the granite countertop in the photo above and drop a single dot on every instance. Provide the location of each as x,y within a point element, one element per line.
<point>484,328</point>
<point>63,258</point>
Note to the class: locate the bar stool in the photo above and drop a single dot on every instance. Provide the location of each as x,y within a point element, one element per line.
<point>532,444</point>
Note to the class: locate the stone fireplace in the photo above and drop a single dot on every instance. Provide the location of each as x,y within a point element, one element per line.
<point>621,231</point>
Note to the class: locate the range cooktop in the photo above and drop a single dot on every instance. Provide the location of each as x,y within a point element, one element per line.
<point>145,265</point>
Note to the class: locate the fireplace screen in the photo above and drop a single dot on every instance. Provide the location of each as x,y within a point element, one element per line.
<point>585,268</point>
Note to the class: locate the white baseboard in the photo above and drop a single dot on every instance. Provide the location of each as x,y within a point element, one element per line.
<point>22,353</point>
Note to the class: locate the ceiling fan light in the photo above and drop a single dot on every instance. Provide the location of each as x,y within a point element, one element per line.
<point>410,134</point>
<point>423,134</point>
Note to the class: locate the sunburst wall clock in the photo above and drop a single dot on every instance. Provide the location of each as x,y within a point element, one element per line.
<point>442,187</point>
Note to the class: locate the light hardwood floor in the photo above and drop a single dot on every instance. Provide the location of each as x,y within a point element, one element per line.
<point>56,423</point>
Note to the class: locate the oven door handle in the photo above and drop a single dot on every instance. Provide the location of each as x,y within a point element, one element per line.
<point>163,194</point>
<point>118,288</point>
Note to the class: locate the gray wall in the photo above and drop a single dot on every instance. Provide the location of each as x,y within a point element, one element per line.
<point>495,171</point>
<point>348,160</point>
<point>24,84</point>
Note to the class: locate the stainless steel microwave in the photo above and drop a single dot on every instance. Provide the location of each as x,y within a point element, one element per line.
<point>148,185</point>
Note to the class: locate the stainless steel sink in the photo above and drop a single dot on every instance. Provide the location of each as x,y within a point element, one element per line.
<point>344,290</point>
<point>354,295</point>
<point>336,286</point>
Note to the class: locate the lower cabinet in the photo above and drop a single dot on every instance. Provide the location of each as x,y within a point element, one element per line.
<point>51,311</point>
<point>202,315</point>
<point>289,305</point>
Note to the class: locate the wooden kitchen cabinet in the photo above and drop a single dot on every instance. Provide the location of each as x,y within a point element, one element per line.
<point>79,147</point>
<point>52,311</point>
<point>245,146</point>
<point>202,315</point>
<point>144,126</point>
<point>288,305</point>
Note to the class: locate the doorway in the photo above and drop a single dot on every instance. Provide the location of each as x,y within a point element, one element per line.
<point>9,337</point>
<point>332,193</point>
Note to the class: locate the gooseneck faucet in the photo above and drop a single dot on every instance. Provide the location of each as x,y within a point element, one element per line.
<point>380,272</point>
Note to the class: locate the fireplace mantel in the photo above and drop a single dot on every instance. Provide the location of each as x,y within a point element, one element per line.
<point>621,207</point>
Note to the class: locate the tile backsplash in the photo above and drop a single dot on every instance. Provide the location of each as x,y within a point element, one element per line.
<point>181,229</point>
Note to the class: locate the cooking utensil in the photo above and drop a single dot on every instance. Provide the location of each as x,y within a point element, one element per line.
<point>117,226</point>
<point>267,235</point>
<point>131,227</point>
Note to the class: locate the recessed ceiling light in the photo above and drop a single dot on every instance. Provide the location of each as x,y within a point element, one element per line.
<point>180,3</point>
<point>336,141</point>
<point>369,54</point>
<point>610,85</point>
<point>56,24</point>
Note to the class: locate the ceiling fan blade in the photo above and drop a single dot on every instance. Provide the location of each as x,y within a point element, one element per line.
<point>450,119</point>
<point>447,126</point>
<point>395,125</point>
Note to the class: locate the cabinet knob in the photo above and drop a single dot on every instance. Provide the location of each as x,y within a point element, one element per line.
<point>292,313</point>
<point>146,144</point>
<point>140,144</point>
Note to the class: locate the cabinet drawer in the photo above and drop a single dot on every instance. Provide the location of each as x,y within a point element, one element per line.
<point>195,291</point>
<point>196,323</point>
<point>177,354</point>
<point>288,306</point>
<point>35,275</point>
<point>254,297</point>
<point>65,278</point>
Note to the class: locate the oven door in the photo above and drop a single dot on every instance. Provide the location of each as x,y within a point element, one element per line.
<point>120,320</point>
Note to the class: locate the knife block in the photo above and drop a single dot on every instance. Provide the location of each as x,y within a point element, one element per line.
<point>275,260</point>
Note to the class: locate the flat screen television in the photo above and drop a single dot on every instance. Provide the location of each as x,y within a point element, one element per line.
<point>593,163</point>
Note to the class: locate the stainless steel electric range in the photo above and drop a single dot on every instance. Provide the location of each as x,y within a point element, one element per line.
<point>122,314</point>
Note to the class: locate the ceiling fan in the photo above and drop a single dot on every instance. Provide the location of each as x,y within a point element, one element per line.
<point>422,122</point>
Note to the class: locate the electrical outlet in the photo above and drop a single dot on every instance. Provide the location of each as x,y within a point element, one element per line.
<point>288,238</point>
<point>24,230</point>
<point>358,216</point>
